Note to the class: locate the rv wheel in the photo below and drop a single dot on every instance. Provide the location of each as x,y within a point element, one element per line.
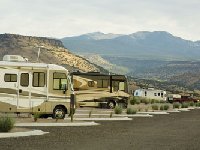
<point>111,104</point>
<point>59,113</point>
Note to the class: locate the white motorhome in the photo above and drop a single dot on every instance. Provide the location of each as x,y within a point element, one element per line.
<point>151,93</point>
<point>34,87</point>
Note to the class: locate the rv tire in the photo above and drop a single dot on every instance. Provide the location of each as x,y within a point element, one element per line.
<point>111,104</point>
<point>59,112</point>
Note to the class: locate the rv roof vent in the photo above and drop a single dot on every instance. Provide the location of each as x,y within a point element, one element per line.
<point>14,58</point>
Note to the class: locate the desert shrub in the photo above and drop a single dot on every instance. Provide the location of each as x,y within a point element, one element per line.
<point>176,105</point>
<point>36,116</point>
<point>138,101</point>
<point>145,100</point>
<point>161,107</point>
<point>157,101</point>
<point>191,104</point>
<point>197,104</point>
<point>6,124</point>
<point>154,107</point>
<point>118,110</point>
<point>131,111</point>
<point>161,101</point>
<point>152,101</point>
<point>133,100</point>
<point>184,105</point>
<point>166,107</point>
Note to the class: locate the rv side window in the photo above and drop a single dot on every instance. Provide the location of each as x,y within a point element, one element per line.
<point>102,83</point>
<point>91,83</point>
<point>105,83</point>
<point>158,94</point>
<point>24,81</point>
<point>155,94</point>
<point>38,79</point>
<point>59,81</point>
<point>161,94</point>
<point>10,78</point>
<point>121,86</point>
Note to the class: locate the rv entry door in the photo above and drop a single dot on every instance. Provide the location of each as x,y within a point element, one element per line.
<point>24,91</point>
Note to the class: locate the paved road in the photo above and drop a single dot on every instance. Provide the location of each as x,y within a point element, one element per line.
<point>175,131</point>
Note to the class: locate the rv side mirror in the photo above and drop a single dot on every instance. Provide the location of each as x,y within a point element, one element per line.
<point>64,87</point>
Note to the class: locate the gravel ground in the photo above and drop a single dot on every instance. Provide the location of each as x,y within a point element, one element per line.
<point>174,131</point>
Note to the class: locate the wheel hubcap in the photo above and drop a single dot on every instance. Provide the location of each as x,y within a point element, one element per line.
<point>59,113</point>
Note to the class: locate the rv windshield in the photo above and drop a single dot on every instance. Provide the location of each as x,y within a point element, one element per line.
<point>59,81</point>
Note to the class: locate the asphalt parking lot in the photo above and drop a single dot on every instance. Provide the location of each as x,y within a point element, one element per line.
<point>173,131</point>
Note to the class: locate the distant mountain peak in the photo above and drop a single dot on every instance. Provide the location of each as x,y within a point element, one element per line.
<point>101,35</point>
<point>146,34</point>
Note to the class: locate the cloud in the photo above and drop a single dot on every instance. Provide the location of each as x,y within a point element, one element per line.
<point>59,18</point>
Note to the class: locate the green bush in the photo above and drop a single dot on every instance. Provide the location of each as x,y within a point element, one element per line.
<point>36,116</point>
<point>161,107</point>
<point>146,101</point>
<point>184,105</point>
<point>138,101</point>
<point>166,107</point>
<point>161,101</point>
<point>118,110</point>
<point>197,104</point>
<point>152,101</point>
<point>143,100</point>
<point>176,105</point>
<point>157,101</point>
<point>131,111</point>
<point>192,104</point>
<point>6,124</point>
<point>133,100</point>
<point>154,107</point>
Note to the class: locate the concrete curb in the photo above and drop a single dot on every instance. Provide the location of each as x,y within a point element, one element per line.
<point>21,134</point>
<point>154,113</point>
<point>101,119</point>
<point>173,111</point>
<point>71,124</point>
<point>134,115</point>
<point>183,109</point>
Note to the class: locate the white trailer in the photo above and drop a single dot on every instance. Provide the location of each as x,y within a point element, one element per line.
<point>34,87</point>
<point>151,94</point>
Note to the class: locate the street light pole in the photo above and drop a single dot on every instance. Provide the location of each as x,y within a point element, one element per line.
<point>39,52</point>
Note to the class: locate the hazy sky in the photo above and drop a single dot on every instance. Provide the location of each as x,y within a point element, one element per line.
<point>60,18</point>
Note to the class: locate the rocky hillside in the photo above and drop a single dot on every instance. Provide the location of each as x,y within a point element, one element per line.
<point>100,61</point>
<point>52,51</point>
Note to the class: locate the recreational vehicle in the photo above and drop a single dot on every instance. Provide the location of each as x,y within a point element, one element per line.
<point>151,93</point>
<point>34,87</point>
<point>100,90</point>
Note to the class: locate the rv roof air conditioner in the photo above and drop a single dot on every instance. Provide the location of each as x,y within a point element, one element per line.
<point>14,58</point>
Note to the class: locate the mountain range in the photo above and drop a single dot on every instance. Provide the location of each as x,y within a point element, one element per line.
<point>157,56</point>
<point>157,45</point>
